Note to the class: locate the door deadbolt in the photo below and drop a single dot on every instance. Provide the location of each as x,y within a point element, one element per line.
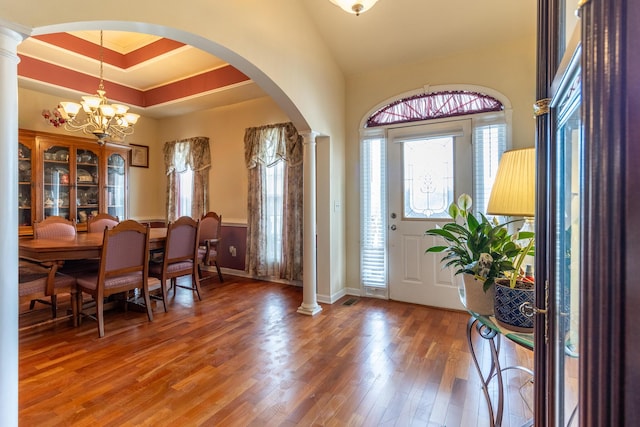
<point>393,215</point>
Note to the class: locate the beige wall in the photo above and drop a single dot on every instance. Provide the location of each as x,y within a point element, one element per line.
<point>224,126</point>
<point>305,83</point>
<point>146,191</point>
<point>508,69</point>
<point>287,58</point>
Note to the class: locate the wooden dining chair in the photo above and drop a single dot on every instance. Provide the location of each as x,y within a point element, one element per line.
<point>124,265</point>
<point>98,223</point>
<point>210,238</point>
<point>41,283</point>
<point>180,257</point>
<point>95,224</point>
<point>52,227</point>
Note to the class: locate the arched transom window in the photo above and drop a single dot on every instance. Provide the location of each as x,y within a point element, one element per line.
<point>434,105</point>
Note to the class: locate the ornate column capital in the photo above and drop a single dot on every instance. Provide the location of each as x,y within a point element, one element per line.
<point>308,136</point>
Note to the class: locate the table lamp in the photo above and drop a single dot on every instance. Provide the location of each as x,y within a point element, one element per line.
<point>513,192</point>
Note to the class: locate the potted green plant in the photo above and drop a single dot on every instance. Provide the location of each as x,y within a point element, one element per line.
<point>479,250</point>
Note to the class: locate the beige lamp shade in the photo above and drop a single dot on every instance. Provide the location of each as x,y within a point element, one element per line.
<point>514,190</point>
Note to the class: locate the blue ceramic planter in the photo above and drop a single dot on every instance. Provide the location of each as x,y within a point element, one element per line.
<point>507,305</point>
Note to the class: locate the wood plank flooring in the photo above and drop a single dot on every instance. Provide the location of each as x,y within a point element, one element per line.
<point>243,357</point>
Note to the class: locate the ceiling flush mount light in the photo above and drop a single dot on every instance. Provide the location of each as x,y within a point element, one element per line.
<point>101,119</point>
<point>355,6</point>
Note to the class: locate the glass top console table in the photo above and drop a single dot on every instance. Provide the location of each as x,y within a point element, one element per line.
<point>487,328</point>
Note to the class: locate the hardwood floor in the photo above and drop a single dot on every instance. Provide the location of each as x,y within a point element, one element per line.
<point>243,357</point>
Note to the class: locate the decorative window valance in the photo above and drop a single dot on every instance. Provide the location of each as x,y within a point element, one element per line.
<point>272,143</point>
<point>433,106</point>
<point>187,153</point>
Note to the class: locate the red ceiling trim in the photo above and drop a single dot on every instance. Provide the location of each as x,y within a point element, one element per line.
<point>205,82</point>
<point>86,48</point>
<point>52,74</point>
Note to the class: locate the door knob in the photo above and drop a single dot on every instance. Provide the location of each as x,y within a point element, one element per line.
<point>393,227</point>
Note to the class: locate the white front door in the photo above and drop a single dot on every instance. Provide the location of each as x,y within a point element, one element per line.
<point>428,167</point>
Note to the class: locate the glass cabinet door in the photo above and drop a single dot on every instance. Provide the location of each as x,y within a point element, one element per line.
<point>25,187</point>
<point>566,289</point>
<point>56,181</point>
<point>87,181</point>
<point>560,139</point>
<point>116,185</point>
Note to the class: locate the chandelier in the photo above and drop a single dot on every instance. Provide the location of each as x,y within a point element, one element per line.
<point>355,6</point>
<point>101,119</point>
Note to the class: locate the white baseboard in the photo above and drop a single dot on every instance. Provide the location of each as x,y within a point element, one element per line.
<point>322,298</point>
<point>330,299</point>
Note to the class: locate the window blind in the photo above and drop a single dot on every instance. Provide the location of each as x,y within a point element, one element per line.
<point>489,142</point>
<point>373,208</point>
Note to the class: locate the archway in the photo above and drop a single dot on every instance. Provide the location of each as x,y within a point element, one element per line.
<point>330,121</point>
<point>199,42</point>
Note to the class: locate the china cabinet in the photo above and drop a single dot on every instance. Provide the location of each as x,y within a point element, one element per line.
<point>26,187</point>
<point>71,177</point>
<point>115,193</point>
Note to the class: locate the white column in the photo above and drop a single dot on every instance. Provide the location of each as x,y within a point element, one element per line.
<point>309,304</point>
<point>9,41</point>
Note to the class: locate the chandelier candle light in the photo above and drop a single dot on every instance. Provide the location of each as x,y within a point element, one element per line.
<point>355,6</point>
<point>102,119</point>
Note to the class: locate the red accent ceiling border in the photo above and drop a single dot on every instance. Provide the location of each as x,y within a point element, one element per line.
<point>205,82</point>
<point>35,69</point>
<point>86,48</point>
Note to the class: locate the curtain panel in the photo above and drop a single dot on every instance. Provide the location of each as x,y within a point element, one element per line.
<point>183,155</point>
<point>264,147</point>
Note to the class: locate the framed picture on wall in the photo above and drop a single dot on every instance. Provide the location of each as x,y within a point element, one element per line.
<point>139,156</point>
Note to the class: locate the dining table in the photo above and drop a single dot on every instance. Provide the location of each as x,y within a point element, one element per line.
<point>53,253</point>
<point>83,245</point>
